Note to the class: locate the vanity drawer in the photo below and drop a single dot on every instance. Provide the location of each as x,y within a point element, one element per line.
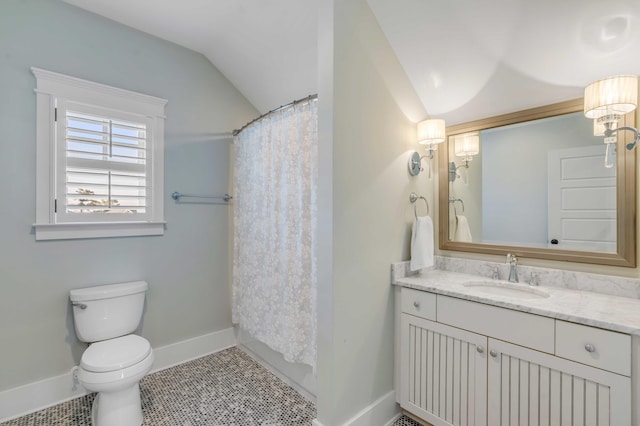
<point>418,303</point>
<point>529,330</point>
<point>599,348</point>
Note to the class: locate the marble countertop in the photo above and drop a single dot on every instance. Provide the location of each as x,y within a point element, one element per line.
<point>614,313</point>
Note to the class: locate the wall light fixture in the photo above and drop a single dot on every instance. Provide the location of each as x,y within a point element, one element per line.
<point>466,146</point>
<point>430,132</point>
<point>606,101</point>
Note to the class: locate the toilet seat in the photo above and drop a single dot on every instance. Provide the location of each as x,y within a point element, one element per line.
<point>118,378</point>
<point>115,354</point>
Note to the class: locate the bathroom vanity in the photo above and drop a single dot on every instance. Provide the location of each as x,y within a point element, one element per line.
<point>475,351</point>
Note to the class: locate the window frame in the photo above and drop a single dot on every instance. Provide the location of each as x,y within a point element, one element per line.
<point>52,88</point>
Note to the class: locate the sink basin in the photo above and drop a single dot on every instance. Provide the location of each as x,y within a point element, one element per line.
<point>503,288</point>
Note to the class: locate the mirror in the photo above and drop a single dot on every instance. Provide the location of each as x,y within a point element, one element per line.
<point>534,183</point>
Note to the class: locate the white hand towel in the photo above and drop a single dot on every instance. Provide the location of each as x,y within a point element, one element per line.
<point>422,243</point>
<point>463,232</point>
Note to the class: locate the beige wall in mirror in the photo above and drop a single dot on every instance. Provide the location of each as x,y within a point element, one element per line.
<point>535,183</point>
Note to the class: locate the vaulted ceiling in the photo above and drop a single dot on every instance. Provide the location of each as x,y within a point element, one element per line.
<point>267,49</point>
<point>469,59</point>
<point>466,59</point>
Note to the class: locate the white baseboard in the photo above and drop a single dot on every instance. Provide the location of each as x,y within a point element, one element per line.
<point>32,397</point>
<point>190,349</point>
<point>379,413</point>
<point>382,412</point>
<point>35,396</point>
<point>393,419</point>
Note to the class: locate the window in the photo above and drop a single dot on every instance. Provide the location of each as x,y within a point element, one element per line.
<point>99,160</point>
<point>104,162</point>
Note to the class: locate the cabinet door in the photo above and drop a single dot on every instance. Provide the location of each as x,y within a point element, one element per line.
<point>526,387</point>
<point>443,373</point>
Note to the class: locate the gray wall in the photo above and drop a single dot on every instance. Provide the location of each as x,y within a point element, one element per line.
<point>187,268</point>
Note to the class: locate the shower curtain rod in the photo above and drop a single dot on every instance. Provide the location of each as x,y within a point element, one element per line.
<point>308,98</point>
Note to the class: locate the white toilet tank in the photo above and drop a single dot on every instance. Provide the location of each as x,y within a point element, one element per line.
<point>107,311</point>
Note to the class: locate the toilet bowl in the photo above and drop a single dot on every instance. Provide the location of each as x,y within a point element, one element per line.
<point>115,361</point>
<point>113,368</point>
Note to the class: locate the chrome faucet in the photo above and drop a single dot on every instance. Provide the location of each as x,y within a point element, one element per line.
<point>512,261</point>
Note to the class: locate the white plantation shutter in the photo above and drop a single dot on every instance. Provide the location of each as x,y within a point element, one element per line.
<point>100,160</point>
<point>105,158</point>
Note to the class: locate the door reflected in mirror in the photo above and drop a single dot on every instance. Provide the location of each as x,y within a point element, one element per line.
<point>538,181</point>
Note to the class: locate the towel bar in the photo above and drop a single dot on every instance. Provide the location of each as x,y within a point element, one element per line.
<point>176,196</point>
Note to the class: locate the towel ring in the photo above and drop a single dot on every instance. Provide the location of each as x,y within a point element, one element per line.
<point>453,201</point>
<point>413,197</point>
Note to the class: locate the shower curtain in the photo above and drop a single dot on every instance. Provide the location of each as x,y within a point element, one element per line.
<point>275,215</point>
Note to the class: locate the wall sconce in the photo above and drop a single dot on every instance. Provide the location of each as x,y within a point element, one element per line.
<point>466,145</point>
<point>431,132</point>
<point>606,101</point>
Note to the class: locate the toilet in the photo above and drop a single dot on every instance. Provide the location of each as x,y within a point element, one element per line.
<point>116,360</point>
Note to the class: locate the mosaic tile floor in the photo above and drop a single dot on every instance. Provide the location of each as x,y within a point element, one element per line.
<point>224,389</point>
<point>406,421</point>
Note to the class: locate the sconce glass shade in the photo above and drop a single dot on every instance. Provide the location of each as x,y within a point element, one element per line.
<point>467,145</point>
<point>611,96</point>
<point>431,131</point>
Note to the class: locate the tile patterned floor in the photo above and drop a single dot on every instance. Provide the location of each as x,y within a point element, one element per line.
<point>406,421</point>
<point>224,389</point>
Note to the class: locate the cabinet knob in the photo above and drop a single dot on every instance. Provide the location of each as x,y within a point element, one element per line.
<point>416,304</point>
<point>480,349</point>
<point>493,353</point>
<point>589,347</point>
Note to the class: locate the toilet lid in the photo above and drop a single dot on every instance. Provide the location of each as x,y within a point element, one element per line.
<point>115,354</point>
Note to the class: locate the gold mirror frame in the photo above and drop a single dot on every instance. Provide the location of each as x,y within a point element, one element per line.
<point>625,193</point>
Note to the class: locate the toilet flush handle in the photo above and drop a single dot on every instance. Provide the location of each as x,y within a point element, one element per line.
<point>80,305</point>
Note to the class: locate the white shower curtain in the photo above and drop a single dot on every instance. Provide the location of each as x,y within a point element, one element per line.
<point>275,216</point>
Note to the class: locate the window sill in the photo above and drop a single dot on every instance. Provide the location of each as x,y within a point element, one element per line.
<point>70,231</point>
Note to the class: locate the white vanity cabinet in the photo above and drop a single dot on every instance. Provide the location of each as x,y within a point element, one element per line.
<point>444,379</point>
<point>527,387</point>
<point>467,363</point>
